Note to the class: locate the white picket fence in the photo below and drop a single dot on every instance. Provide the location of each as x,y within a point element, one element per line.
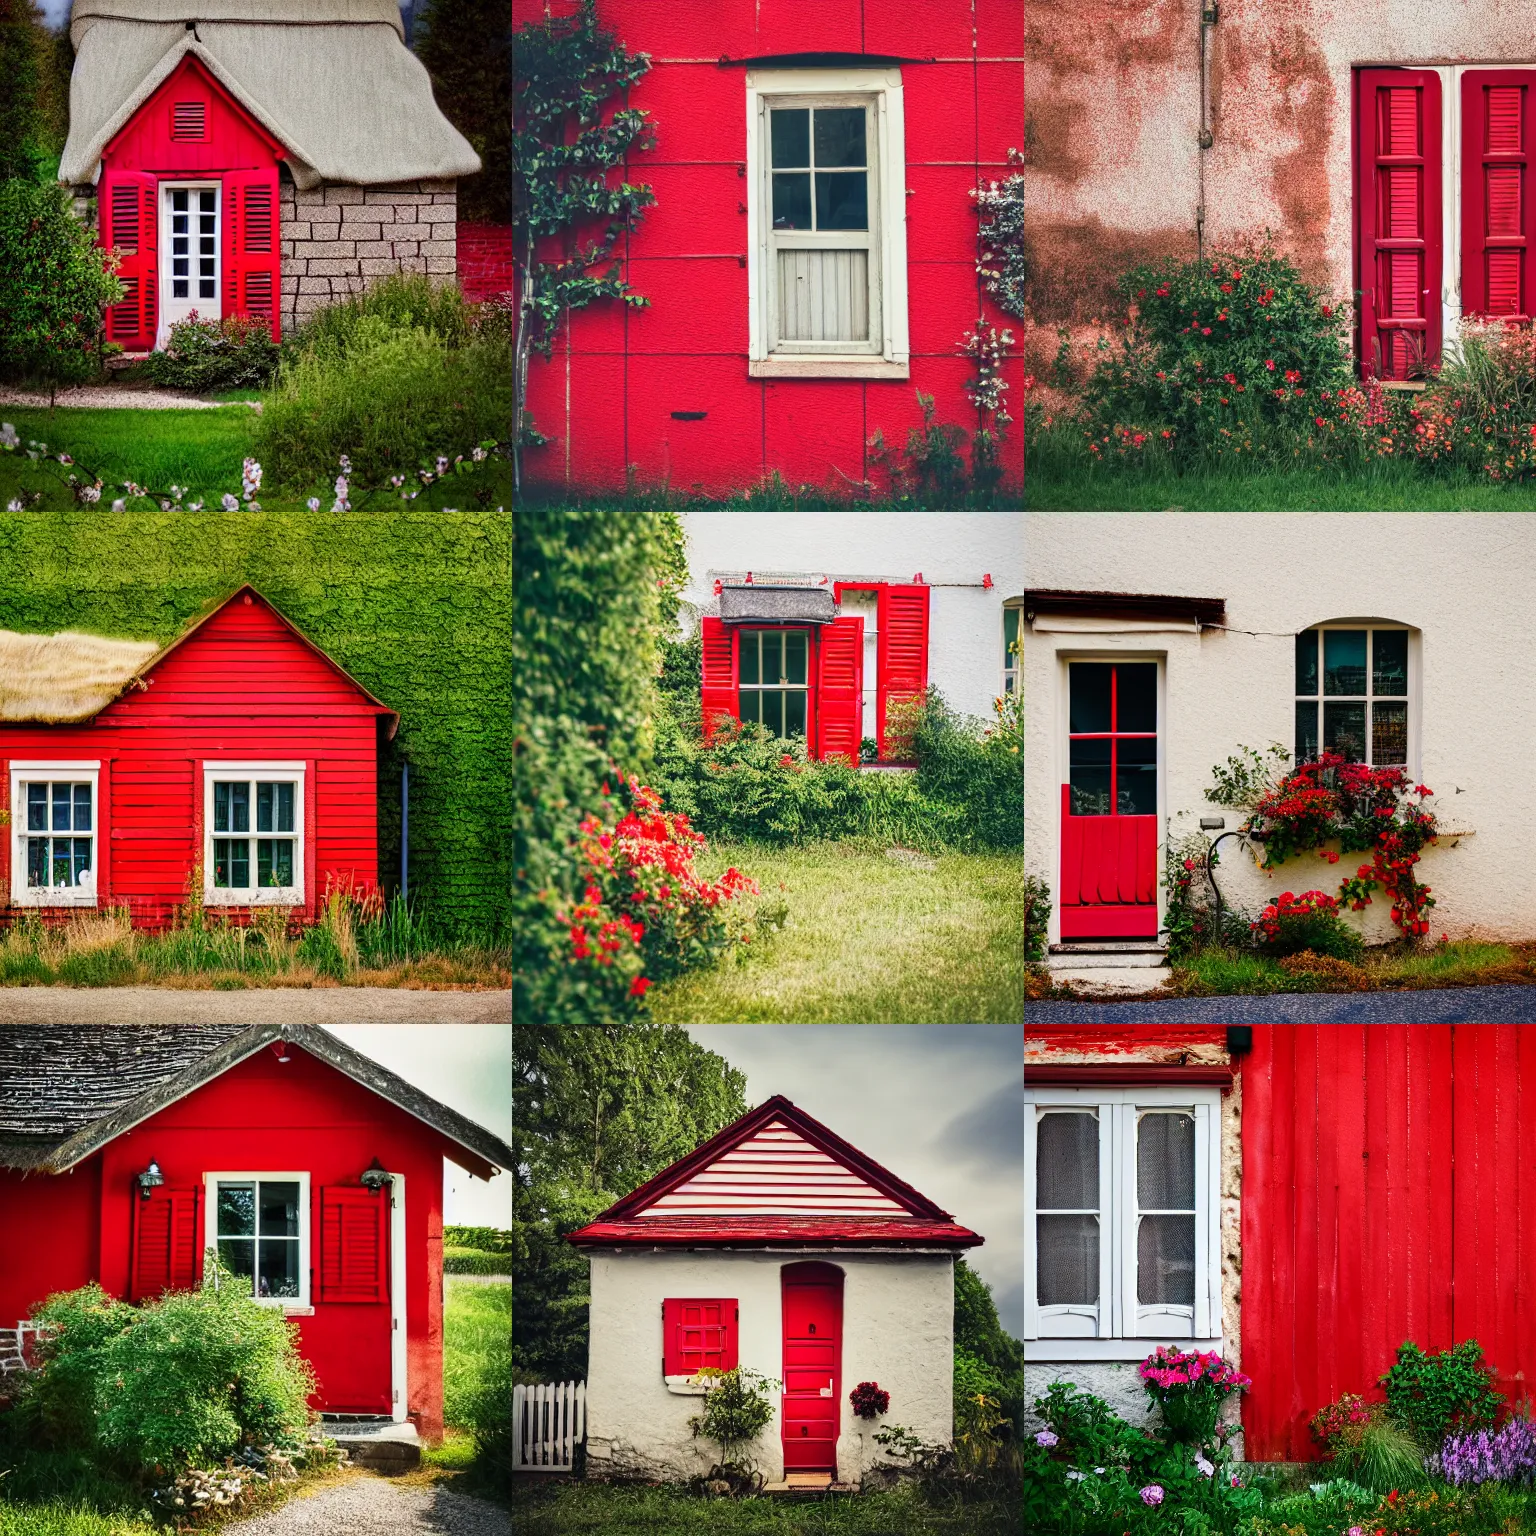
<point>548,1422</point>
<point>13,1346</point>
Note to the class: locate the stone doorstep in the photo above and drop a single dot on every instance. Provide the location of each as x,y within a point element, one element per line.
<point>807,1486</point>
<point>1112,978</point>
<point>380,1444</point>
<point>1136,954</point>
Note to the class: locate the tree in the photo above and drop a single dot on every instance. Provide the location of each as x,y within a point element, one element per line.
<point>984,1353</point>
<point>563,158</point>
<point>597,1109</point>
<point>466,46</point>
<point>25,62</point>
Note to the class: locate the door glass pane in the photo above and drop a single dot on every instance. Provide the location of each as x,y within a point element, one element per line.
<point>1090,791</point>
<point>1344,661</point>
<point>62,805</point>
<point>1344,730</point>
<point>278,1274</point>
<point>1306,662</point>
<point>773,712</point>
<point>791,132</point>
<point>1306,731</point>
<point>749,658</point>
<point>82,807</point>
<point>1165,1162</point>
<point>1389,734</point>
<point>1136,697</point>
<point>794,656</point>
<point>792,200</point>
<point>236,1210</point>
<point>1067,1162</point>
<point>1165,1261</point>
<point>839,136</point>
<point>794,714</point>
<point>773,657</point>
<point>1389,662</point>
<point>279,1208</point>
<point>1067,1260</point>
<point>1089,688</point>
<point>1136,779</point>
<point>37,807</point>
<point>842,200</point>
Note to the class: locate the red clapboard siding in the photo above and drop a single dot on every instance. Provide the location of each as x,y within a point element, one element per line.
<point>1398,219</point>
<point>1498,255</point>
<point>840,688</point>
<point>902,649</point>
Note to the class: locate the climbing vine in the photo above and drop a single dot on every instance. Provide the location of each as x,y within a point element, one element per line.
<point>1000,206</point>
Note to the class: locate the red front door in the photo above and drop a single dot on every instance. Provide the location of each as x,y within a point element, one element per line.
<point>1109,803</point>
<point>813,1350</point>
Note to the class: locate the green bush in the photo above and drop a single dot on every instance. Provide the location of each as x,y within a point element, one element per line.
<point>1432,1395</point>
<point>474,1261</point>
<point>237,352</point>
<point>1037,918</point>
<point>486,1239</point>
<point>975,771</point>
<point>404,302</point>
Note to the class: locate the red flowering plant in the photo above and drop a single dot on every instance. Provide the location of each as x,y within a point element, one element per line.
<point>1340,1427</point>
<point>1479,413</point>
<point>1311,921</point>
<point>646,914</point>
<point>868,1400</point>
<point>1190,1387</point>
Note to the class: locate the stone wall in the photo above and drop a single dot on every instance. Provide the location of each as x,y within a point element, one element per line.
<point>337,239</point>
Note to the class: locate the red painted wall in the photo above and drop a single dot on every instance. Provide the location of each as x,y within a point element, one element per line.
<point>243,686</point>
<point>302,1115</point>
<point>607,394</point>
<point>485,260</point>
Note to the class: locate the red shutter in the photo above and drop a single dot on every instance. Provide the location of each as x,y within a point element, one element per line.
<point>129,222</point>
<point>1498,256</point>
<point>252,245</point>
<point>901,650</point>
<point>354,1244</point>
<point>719,685</point>
<point>840,689</point>
<point>167,1242</point>
<point>1398,218</point>
<point>696,1334</point>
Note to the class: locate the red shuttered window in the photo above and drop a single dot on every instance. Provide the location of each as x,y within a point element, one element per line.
<point>697,1333</point>
<point>1399,219</point>
<point>1498,112</point>
<point>840,689</point>
<point>354,1244</point>
<point>719,682</point>
<point>167,1242</point>
<point>252,245</point>
<point>902,651</point>
<point>129,223</point>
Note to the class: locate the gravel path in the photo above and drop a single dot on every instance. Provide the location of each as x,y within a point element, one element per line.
<point>269,1005</point>
<point>1451,1005</point>
<point>105,397</point>
<point>373,1506</point>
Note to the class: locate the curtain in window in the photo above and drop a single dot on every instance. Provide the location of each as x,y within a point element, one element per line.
<point>1067,1180</point>
<point>1165,1187</point>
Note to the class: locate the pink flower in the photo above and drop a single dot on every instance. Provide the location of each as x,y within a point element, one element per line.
<point>1152,1494</point>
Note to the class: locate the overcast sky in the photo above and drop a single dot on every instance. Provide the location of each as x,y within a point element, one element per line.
<point>468,1067</point>
<point>940,1105</point>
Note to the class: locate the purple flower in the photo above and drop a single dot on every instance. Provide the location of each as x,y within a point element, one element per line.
<point>1152,1494</point>
<point>1045,1438</point>
<point>1507,1455</point>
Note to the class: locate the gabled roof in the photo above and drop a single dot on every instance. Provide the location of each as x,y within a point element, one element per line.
<point>331,80</point>
<point>66,1091</point>
<point>66,677</point>
<point>775,1176</point>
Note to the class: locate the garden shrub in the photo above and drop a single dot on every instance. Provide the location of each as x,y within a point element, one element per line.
<point>1366,1446</point>
<point>1433,1395</point>
<point>1477,413</point>
<point>237,352</point>
<point>1037,918</point>
<point>978,771</point>
<point>1423,1512</point>
<point>981,1343</point>
<point>735,1410</point>
<point>1311,921</point>
<point>932,471</point>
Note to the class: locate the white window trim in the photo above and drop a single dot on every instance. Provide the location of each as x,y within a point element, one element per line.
<point>399,1357</point>
<point>1122,1329</point>
<point>255,895</point>
<point>289,1305</point>
<point>892,359</point>
<point>1013,666</point>
<point>79,771</point>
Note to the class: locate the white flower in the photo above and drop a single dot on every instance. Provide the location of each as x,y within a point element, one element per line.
<point>229,503</point>
<point>250,477</point>
<point>194,506</point>
<point>90,493</point>
<point>1206,1467</point>
<point>477,454</point>
<point>442,464</point>
<point>119,505</point>
<point>1077,1477</point>
<point>313,503</point>
<point>8,436</point>
<point>346,464</point>
<point>13,505</point>
<point>397,481</point>
<point>253,506</point>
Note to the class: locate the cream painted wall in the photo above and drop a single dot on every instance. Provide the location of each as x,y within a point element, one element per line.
<point>898,1312</point>
<point>1463,582</point>
<point>965,640</point>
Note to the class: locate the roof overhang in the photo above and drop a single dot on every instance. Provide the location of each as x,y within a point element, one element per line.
<point>895,1235</point>
<point>1137,606</point>
<point>752,604</point>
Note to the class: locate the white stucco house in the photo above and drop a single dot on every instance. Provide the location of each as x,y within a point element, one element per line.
<point>777,1247</point>
<point>1156,645</point>
<point>815,623</point>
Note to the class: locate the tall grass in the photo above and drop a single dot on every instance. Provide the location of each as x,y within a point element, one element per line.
<point>477,1377</point>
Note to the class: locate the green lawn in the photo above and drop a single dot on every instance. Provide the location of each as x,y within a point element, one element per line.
<point>865,940</point>
<point>545,1508</point>
<point>477,1328</point>
<point>64,1520</point>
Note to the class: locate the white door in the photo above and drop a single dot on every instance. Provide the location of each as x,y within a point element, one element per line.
<point>190,260</point>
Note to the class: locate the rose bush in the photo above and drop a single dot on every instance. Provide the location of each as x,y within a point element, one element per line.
<point>1311,921</point>
<point>1190,1388</point>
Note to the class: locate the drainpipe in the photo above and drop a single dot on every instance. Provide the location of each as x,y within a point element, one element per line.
<point>1209,16</point>
<point>405,831</point>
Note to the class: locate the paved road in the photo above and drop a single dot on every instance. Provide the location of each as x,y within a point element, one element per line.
<point>269,1005</point>
<point>1453,1005</point>
<point>373,1506</point>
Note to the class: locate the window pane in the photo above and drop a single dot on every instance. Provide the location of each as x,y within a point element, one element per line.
<point>239,807</point>
<point>1067,1162</point>
<point>773,712</point>
<point>63,800</point>
<point>1136,697</point>
<point>1089,687</point>
<point>278,1274</point>
<point>37,807</point>
<point>264,807</point>
<point>1165,1162</point>
<point>1344,730</point>
<point>751,707</point>
<point>1165,1261</point>
<point>82,858</point>
<point>1306,731</point>
<point>1344,661</point>
<point>748,663</point>
<point>82,807</point>
<point>1067,1260</point>
<point>1090,791</point>
<point>231,862</point>
<point>794,656</point>
<point>205,201</point>
<point>1306,662</point>
<point>238,1255</point>
<point>791,132</point>
<point>773,658</point>
<point>1389,734</point>
<point>37,862</point>
<point>274,862</point>
<point>842,200</point>
<point>1137,791</point>
<point>236,1210</point>
<point>221,807</point>
<point>61,861</point>
<point>279,1208</point>
<point>839,136</point>
<point>794,714</point>
<point>285,807</point>
<point>179,200</point>
<point>792,200</point>
<point>1389,662</point>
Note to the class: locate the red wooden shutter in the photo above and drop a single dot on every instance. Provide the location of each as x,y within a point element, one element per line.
<point>697,1333</point>
<point>1498,256</point>
<point>719,682</point>
<point>252,245</point>
<point>354,1244</point>
<point>901,650</point>
<point>840,689</point>
<point>129,221</point>
<point>1398,218</point>
<point>167,1242</point>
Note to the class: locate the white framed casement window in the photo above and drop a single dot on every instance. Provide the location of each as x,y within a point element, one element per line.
<point>1352,693</point>
<point>253,834</point>
<point>54,827</point>
<point>772,671</point>
<point>826,224</point>
<point>258,1224</point>
<point>1122,1240</point>
<point>1013,645</point>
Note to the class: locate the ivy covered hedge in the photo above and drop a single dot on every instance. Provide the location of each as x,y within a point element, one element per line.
<point>415,604</point>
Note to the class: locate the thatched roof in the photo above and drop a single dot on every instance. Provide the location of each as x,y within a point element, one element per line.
<point>68,676</point>
<point>332,80</point>
<point>67,1090</point>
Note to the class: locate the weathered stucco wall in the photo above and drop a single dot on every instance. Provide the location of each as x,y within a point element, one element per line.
<point>898,1329</point>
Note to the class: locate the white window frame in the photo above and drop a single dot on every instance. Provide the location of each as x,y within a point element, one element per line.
<point>289,1305</point>
<point>295,773</point>
<point>1013,665</point>
<point>887,353</point>
<point>1120,1327</point>
<point>24,773</point>
<point>1410,698</point>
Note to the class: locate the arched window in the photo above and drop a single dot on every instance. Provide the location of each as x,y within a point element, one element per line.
<point>1352,693</point>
